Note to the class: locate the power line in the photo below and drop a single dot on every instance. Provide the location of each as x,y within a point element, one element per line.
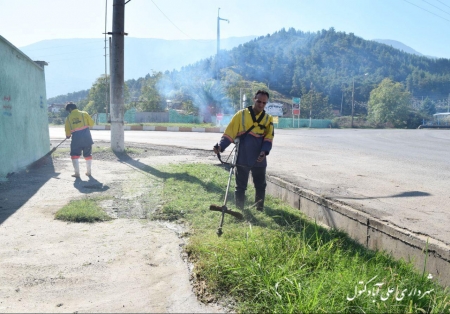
<point>443,3</point>
<point>170,20</point>
<point>435,7</point>
<point>427,11</point>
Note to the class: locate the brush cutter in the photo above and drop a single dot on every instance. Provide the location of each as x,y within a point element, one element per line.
<point>224,208</point>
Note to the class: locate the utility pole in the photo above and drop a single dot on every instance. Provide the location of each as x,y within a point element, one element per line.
<point>353,98</point>
<point>310,105</point>
<point>110,85</point>
<point>218,41</point>
<point>448,103</point>
<point>106,69</point>
<point>117,76</point>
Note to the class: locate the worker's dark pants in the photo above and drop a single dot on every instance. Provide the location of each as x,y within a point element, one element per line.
<point>259,181</point>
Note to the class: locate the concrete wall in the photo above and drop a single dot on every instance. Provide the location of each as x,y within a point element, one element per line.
<point>24,135</point>
<point>367,230</point>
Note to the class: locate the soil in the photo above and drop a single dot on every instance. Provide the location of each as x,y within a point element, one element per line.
<point>128,264</point>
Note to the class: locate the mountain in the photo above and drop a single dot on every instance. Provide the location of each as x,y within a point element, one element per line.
<point>75,64</point>
<point>398,45</point>
<point>401,46</point>
<point>294,63</point>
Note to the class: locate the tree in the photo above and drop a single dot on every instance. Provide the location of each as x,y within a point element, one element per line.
<point>428,107</point>
<point>317,103</point>
<point>151,99</point>
<point>99,96</point>
<point>389,103</point>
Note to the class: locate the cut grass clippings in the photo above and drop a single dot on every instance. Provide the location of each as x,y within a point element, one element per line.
<point>278,261</point>
<point>85,210</point>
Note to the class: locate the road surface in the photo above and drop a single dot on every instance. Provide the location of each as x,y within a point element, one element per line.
<point>399,176</point>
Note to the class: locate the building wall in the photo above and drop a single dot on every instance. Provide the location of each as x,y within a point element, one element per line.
<point>24,135</point>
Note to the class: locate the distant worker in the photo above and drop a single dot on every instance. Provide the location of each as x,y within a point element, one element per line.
<point>254,128</point>
<point>77,127</point>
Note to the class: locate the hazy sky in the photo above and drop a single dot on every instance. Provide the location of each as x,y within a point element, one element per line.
<point>424,25</point>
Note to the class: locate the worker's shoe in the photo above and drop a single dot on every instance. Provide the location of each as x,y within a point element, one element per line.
<point>88,167</point>
<point>259,201</point>
<point>76,166</point>
<point>239,199</point>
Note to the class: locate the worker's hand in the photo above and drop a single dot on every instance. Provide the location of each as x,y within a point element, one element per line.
<point>261,156</point>
<point>67,137</point>
<point>217,149</point>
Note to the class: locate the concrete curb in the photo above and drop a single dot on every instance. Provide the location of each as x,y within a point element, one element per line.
<point>162,128</point>
<point>373,233</point>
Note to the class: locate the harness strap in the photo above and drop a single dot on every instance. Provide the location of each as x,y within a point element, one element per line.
<point>252,113</point>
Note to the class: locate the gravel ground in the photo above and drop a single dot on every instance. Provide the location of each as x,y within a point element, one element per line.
<point>129,264</point>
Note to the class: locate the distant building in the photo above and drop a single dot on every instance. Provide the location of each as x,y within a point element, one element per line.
<point>274,109</point>
<point>56,108</point>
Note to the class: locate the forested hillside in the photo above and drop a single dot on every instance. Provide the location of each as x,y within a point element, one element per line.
<point>321,68</point>
<point>292,62</point>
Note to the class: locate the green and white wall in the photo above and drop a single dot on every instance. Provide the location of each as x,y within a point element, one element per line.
<point>24,136</point>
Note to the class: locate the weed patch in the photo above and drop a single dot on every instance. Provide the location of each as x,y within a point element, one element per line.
<point>85,210</point>
<point>279,261</point>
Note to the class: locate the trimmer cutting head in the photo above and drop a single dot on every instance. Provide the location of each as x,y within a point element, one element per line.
<point>218,208</point>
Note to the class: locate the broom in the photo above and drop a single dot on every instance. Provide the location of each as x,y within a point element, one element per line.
<point>41,160</point>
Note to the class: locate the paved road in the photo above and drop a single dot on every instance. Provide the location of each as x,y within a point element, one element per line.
<point>400,176</point>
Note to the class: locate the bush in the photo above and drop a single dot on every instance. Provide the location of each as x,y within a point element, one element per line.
<point>358,122</point>
<point>58,121</point>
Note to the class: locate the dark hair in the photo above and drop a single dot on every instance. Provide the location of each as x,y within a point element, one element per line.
<point>70,106</point>
<point>262,92</point>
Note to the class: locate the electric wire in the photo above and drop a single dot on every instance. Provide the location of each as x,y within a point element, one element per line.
<point>443,3</point>
<point>170,20</point>
<point>435,7</point>
<point>427,10</point>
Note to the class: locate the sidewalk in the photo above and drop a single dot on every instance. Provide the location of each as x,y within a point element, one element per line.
<point>129,264</point>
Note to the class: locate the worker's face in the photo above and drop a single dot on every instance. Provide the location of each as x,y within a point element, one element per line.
<point>259,102</point>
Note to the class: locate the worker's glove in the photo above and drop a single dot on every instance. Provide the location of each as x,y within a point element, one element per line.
<point>261,156</point>
<point>67,137</point>
<point>216,149</point>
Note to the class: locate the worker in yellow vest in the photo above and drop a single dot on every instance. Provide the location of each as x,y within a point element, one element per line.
<point>254,128</point>
<point>77,126</point>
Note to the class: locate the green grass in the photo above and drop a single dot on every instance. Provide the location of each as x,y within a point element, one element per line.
<point>85,210</point>
<point>280,262</point>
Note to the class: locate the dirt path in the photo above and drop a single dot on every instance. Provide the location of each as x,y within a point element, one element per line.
<point>130,264</point>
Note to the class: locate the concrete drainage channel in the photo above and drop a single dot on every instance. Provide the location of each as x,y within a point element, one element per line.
<point>373,233</point>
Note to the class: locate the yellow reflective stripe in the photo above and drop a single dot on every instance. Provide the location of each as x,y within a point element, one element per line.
<point>79,129</point>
